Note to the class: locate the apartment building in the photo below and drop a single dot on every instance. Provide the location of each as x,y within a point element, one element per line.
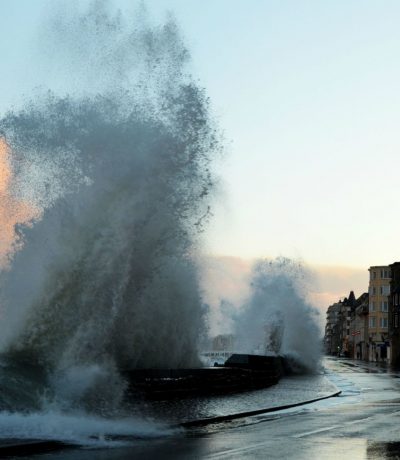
<point>346,312</point>
<point>394,313</point>
<point>359,332</point>
<point>332,343</point>
<point>379,291</point>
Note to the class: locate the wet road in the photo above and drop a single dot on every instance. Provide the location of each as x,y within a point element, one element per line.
<point>363,423</point>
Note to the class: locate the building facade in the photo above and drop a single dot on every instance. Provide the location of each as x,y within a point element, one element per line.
<point>331,340</point>
<point>359,328</point>
<point>394,313</point>
<point>346,312</point>
<point>378,321</point>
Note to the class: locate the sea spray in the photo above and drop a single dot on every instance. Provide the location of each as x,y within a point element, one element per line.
<point>82,429</point>
<point>118,164</point>
<point>277,317</point>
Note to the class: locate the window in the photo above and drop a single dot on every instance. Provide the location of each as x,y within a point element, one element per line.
<point>374,275</point>
<point>384,322</point>
<point>372,321</point>
<point>372,305</point>
<point>374,290</point>
<point>386,290</point>
<point>384,305</point>
<point>385,273</point>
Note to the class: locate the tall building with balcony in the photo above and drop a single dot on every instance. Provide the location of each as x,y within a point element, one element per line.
<point>378,322</point>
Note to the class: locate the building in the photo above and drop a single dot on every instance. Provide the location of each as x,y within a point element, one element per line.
<point>223,342</point>
<point>339,327</point>
<point>379,290</point>
<point>222,347</point>
<point>346,312</point>
<point>394,313</point>
<point>331,339</point>
<point>359,333</point>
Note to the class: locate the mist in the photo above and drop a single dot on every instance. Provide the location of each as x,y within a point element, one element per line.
<point>275,316</point>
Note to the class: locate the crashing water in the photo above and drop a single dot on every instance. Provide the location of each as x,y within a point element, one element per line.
<point>109,167</point>
<point>277,313</point>
<point>115,164</point>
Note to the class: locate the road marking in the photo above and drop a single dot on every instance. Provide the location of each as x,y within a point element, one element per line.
<point>357,421</point>
<point>239,450</point>
<point>321,430</point>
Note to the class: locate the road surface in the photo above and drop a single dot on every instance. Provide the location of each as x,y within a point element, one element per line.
<point>363,423</point>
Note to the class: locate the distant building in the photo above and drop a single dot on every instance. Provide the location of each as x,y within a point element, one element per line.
<point>359,334</point>
<point>346,312</point>
<point>394,313</point>
<point>222,347</point>
<point>379,290</point>
<point>223,342</point>
<point>331,339</point>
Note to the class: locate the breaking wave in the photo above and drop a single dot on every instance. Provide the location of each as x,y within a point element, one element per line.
<point>280,318</point>
<point>113,158</point>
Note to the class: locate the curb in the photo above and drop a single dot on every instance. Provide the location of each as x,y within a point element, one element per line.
<point>226,418</point>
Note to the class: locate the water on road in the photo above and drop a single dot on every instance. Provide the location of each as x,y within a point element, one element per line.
<point>360,424</point>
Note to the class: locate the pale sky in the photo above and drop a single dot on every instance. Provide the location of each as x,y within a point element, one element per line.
<point>308,96</point>
<point>308,93</point>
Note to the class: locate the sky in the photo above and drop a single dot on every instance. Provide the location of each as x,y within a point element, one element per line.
<point>16,211</point>
<point>307,93</point>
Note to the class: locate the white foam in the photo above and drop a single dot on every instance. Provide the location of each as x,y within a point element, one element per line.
<point>79,429</point>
